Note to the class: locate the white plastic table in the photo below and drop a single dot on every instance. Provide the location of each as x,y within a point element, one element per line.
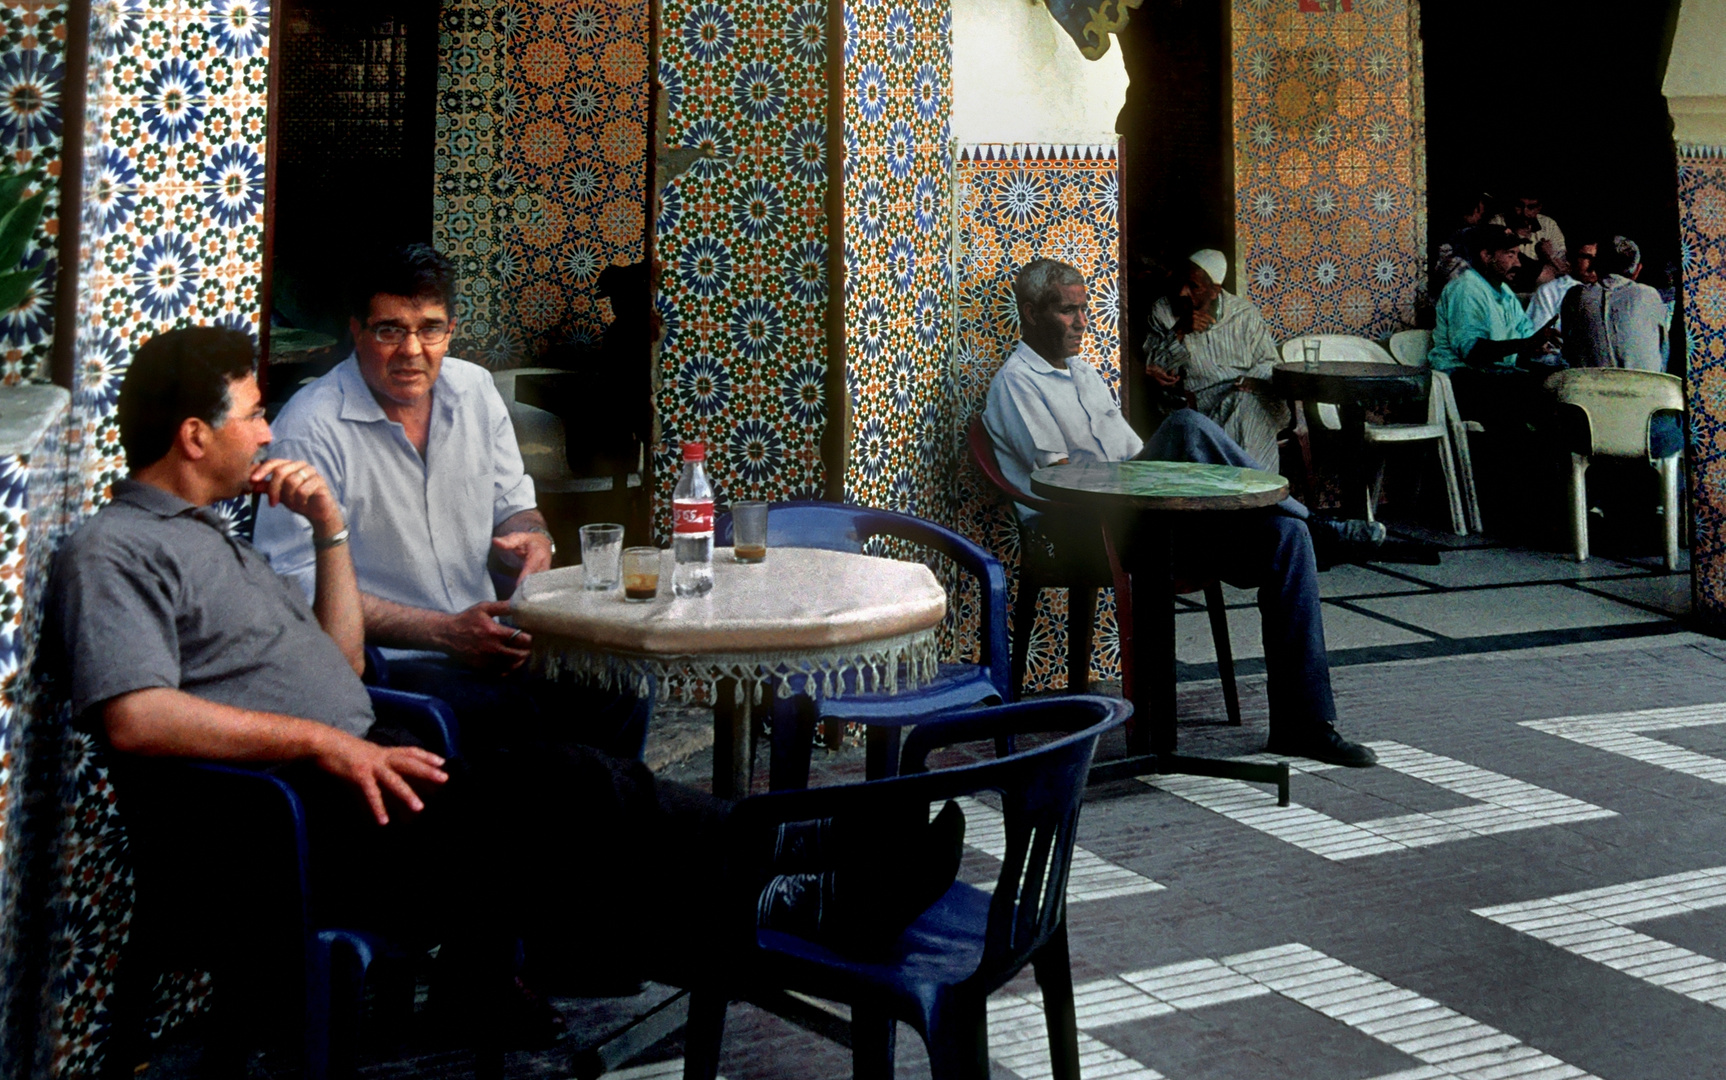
<point>802,621</point>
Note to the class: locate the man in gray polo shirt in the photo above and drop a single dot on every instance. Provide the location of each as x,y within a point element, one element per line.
<point>418,450</point>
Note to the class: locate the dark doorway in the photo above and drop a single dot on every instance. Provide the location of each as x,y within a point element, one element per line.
<point>1177,168</point>
<point>1562,96</point>
<point>354,150</point>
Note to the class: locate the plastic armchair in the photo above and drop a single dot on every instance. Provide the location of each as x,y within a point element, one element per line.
<point>1619,405</point>
<point>1434,429</point>
<point>1038,570</point>
<point>843,527</point>
<point>222,859</point>
<point>939,974</point>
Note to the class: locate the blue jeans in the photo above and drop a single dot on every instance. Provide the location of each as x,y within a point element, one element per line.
<point>1270,550</point>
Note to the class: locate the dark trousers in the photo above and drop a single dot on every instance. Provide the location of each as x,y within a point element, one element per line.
<point>551,842</point>
<point>1269,550</point>
<point>519,708</point>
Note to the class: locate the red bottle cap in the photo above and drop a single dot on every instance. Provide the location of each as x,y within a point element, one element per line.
<point>694,451</point>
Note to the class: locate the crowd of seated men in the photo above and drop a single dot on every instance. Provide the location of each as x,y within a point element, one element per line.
<point>1516,302</point>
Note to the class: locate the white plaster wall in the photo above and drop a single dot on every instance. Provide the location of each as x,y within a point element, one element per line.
<point>1696,74</point>
<point>1018,78</point>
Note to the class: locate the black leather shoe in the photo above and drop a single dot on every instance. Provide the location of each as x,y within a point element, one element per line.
<point>1337,541</point>
<point>1324,745</point>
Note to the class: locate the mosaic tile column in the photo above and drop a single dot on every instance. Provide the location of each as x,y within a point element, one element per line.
<point>1702,227</point>
<point>742,236</point>
<point>898,244</point>
<point>1329,164</point>
<point>1016,204</point>
<point>35,483</point>
<point>542,135</point>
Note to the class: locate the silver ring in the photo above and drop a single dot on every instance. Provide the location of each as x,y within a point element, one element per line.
<point>515,635</point>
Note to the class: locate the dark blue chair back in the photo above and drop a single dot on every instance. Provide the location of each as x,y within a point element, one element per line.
<point>939,974</point>
<point>843,527</point>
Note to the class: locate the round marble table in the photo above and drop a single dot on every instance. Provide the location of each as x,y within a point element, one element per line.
<point>1150,497</point>
<point>1351,385</point>
<point>802,620</point>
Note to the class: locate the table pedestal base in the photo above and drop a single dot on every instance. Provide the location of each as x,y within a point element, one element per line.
<point>1104,772</point>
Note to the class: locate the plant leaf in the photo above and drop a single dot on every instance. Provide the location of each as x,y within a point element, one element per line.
<point>15,287</point>
<point>17,227</point>
<point>12,191</point>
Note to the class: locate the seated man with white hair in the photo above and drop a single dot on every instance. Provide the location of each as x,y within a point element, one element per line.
<point>1047,407</point>
<point>1218,345</point>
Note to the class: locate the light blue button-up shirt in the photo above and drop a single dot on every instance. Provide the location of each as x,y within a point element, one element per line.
<point>1038,414</point>
<point>420,529</point>
<point>1470,310</point>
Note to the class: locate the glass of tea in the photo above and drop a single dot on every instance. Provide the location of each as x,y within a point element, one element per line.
<point>749,531</point>
<point>640,574</point>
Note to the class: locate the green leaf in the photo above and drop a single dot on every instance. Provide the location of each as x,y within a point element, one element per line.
<point>17,227</point>
<point>12,191</point>
<point>15,287</point>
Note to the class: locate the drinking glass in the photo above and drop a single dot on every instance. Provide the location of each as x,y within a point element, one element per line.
<point>749,532</point>
<point>1309,348</point>
<point>601,548</point>
<point>640,574</point>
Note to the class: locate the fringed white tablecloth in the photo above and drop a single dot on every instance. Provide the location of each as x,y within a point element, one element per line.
<point>805,619</point>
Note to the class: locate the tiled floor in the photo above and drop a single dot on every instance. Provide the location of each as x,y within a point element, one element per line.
<point>1531,885</point>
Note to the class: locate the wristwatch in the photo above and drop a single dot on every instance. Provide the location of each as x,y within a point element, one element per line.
<point>550,541</point>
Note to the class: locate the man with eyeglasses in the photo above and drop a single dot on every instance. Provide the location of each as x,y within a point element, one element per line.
<point>419,450</point>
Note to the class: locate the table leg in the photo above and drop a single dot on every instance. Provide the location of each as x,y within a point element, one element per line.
<point>731,720</point>
<point>1356,470</point>
<point>1153,638</point>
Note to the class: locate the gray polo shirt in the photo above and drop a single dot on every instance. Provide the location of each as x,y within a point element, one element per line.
<point>153,592</point>
<point>421,527</point>
<point>1615,322</point>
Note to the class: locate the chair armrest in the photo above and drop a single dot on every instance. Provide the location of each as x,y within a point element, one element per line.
<point>429,719</point>
<point>377,671</point>
<point>1070,714</point>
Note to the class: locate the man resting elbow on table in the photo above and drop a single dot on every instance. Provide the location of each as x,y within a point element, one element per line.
<point>176,639</point>
<point>420,454</point>
<point>1046,407</point>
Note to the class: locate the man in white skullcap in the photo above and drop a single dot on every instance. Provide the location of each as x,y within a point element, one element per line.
<point>1218,346</point>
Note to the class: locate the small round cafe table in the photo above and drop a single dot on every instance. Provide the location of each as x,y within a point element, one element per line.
<point>1149,499</point>
<point>1351,385</point>
<point>799,623</point>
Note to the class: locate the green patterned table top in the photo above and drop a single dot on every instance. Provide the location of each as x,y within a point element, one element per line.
<point>1160,485</point>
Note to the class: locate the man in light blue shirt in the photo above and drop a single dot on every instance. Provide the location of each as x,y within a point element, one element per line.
<point>418,449</point>
<point>1047,407</point>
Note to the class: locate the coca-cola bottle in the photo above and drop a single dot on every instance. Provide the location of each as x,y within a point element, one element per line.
<point>692,526</point>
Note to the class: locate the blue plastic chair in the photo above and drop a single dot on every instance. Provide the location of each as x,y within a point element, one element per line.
<point>842,527</point>
<point>222,859</point>
<point>938,976</point>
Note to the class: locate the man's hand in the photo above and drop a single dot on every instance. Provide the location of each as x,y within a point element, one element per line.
<point>476,637</point>
<point>378,769</point>
<point>1254,386</point>
<point>1162,376</point>
<point>298,486</point>
<point>530,550</point>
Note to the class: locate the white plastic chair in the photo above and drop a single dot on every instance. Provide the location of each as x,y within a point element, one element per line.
<point>538,433</point>
<point>1410,348</point>
<point>1620,405</point>
<point>1436,429</point>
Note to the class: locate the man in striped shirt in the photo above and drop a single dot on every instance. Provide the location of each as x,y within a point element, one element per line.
<point>1218,345</point>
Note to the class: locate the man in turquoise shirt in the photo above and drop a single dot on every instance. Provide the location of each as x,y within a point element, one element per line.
<point>1481,323</point>
<point>1486,344</point>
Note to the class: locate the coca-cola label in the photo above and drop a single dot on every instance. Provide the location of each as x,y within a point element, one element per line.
<point>692,518</point>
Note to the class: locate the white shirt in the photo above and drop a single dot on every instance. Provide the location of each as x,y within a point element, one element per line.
<point>1038,414</point>
<point>1548,301</point>
<point>421,528</point>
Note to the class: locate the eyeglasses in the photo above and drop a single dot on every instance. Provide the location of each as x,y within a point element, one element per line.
<point>392,334</point>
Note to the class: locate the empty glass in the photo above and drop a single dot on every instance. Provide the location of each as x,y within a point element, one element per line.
<point>601,556</point>
<point>640,574</point>
<point>1309,348</point>
<point>749,532</point>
